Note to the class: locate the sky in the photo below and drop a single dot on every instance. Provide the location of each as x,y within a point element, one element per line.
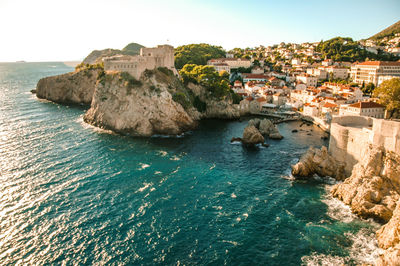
<point>67,30</point>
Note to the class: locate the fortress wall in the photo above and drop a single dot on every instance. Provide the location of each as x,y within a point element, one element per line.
<point>149,58</point>
<point>386,133</point>
<point>351,135</point>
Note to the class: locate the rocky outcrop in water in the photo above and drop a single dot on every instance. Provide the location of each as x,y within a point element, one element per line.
<point>318,161</point>
<point>268,129</point>
<point>138,108</point>
<point>252,136</point>
<point>75,87</point>
<point>373,188</point>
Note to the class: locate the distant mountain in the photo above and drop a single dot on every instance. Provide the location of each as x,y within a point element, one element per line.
<point>132,48</point>
<point>388,32</point>
<point>96,55</point>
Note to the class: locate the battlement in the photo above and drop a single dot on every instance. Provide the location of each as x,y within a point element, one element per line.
<point>149,58</point>
<point>351,135</point>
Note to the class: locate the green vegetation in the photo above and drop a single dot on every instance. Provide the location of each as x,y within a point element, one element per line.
<point>196,54</point>
<point>199,104</point>
<point>83,66</point>
<point>368,89</point>
<point>388,32</point>
<point>345,49</point>
<point>182,99</point>
<point>389,94</point>
<point>132,49</point>
<point>236,98</point>
<point>206,76</point>
<point>131,81</point>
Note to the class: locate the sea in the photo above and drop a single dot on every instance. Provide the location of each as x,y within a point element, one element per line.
<point>73,194</point>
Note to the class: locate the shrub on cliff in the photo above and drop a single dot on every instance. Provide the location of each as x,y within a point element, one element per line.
<point>207,76</point>
<point>182,99</point>
<point>83,66</point>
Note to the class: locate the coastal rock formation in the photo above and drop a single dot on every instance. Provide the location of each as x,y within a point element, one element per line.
<point>389,239</point>
<point>267,128</point>
<point>138,108</point>
<point>252,136</point>
<point>318,161</point>
<point>221,109</point>
<point>75,87</point>
<point>373,188</point>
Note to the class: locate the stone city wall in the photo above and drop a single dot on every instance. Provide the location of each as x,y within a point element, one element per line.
<point>351,135</point>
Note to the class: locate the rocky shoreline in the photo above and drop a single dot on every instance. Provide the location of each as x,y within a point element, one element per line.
<point>156,104</point>
<point>372,191</point>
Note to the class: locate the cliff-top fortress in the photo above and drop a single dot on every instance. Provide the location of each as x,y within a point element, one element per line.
<point>149,58</point>
<point>351,135</point>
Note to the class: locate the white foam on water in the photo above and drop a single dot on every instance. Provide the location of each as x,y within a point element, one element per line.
<point>146,185</point>
<point>233,196</point>
<point>323,259</point>
<point>365,246</point>
<point>174,158</point>
<point>337,210</point>
<point>212,166</point>
<point>95,129</point>
<point>143,166</point>
<point>163,153</point>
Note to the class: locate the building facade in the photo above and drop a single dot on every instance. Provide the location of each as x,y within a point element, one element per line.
<point>149,58</point>
<point>372,71</point>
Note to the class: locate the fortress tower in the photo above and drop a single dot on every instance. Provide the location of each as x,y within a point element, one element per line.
<point>149,58</point>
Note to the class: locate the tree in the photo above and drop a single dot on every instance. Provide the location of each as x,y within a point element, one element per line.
<point>197,54</point>
<point>389,94</point>
<point>369,88</point>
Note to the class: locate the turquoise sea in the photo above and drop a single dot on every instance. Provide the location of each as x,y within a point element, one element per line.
<point>74,194</point>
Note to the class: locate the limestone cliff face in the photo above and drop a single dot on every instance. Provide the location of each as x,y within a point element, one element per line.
<point>222,109</point>
<point>75,87</point>
<point>138,108</point>
<point>373,188</point>
<point>319,162</point>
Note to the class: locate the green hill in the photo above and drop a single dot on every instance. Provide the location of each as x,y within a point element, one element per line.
<point>132,48</point>
<point>388,32</point>
<point>96,55</point>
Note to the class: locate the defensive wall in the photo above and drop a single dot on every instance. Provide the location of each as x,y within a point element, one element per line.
<point>351,135</point>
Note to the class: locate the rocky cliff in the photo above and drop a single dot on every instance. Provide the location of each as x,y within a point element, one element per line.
<point>75,87</point>
<point>137,107</point>
<point>373,188</point>
<point>215,108</point>
<point>318,161</point>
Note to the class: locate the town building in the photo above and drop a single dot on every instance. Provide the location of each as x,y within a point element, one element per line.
<point>231,62</point>
<point>307,79</point>
<point>371,71</point>
<point>370,109</point>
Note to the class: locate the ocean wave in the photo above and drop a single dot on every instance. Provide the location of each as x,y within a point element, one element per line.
<point>323,259</point>
<point>337,210</point>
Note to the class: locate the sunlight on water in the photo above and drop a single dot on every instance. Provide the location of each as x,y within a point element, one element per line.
<point>71,193</point>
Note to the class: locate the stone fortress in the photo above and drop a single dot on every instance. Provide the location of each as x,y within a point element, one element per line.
<point>351,135</point>
<point>149,58</point>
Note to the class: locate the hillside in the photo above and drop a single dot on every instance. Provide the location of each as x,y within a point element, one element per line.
<point>132,48</point>
<point>96,55</point>
<point>345,49</point>
<point>388,32</point>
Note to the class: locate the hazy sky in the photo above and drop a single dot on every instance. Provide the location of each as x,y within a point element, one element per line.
<point>56,30</point>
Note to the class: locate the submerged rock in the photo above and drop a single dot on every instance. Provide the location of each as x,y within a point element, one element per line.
<point>319,162</point>
<point>252,136</point>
